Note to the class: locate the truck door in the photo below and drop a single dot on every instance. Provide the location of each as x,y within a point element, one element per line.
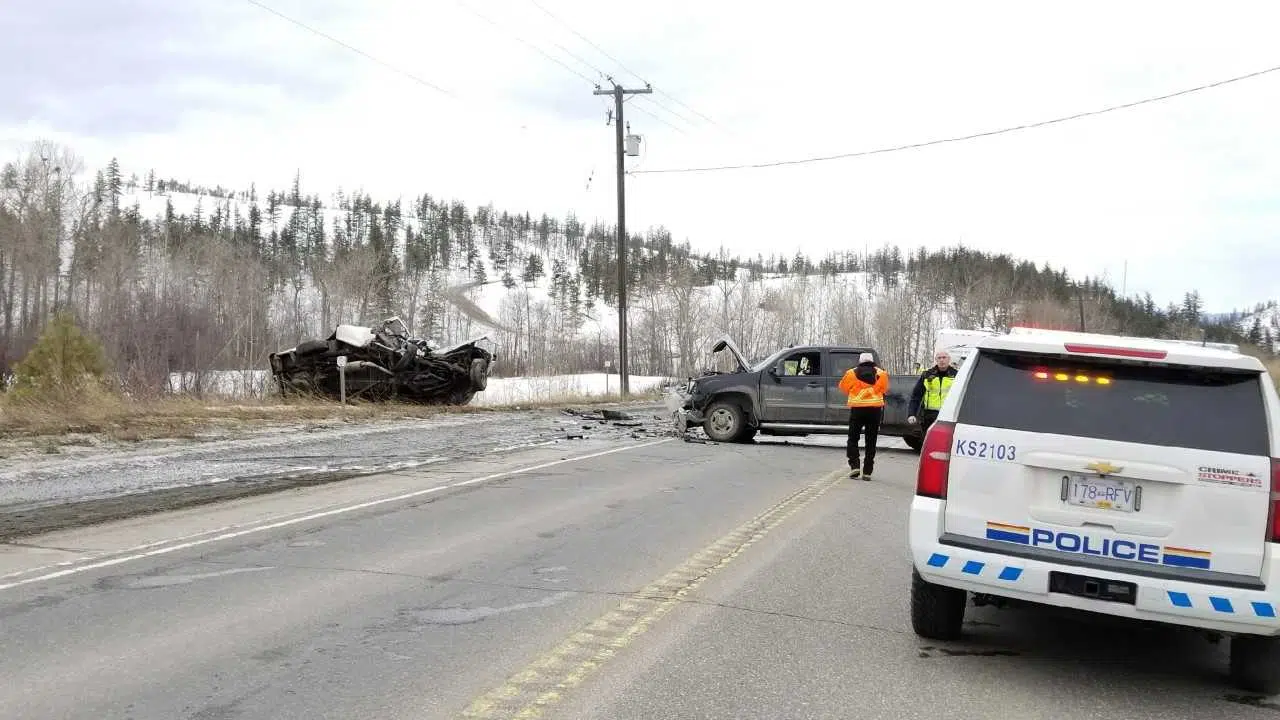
<point>797,390</point>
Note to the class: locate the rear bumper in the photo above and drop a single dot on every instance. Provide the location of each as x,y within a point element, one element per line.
<point>1176,602</point>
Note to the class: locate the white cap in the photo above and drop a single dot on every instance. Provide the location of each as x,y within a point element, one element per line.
<point>866,358</point>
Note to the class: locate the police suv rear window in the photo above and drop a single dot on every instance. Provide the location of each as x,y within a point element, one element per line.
<point>1194,408</point>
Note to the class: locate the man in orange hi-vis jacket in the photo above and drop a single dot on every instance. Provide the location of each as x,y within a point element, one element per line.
<point>866,386</point>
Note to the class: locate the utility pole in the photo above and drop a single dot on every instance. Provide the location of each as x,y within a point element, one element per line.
<point>624,367</point>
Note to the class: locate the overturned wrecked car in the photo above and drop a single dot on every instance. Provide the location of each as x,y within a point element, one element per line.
<point>384,363</point>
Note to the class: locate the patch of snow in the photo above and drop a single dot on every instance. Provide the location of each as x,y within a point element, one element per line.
<point>237,384</point>
<point>511,391</point>
<point>1266,320</point>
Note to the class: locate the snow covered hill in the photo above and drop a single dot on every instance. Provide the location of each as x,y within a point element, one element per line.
<point>541,321</point>
<point>798,306</point>
<point>1262,326</point>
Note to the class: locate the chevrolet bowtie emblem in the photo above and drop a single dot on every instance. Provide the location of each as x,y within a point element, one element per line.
<point>1104,468</point>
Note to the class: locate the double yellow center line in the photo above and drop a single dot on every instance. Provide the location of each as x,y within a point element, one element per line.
<point>546,680</point>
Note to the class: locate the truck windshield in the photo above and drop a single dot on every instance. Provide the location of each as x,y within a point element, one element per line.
<point>1204,409</point>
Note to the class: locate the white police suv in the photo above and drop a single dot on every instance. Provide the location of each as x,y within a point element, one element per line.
<point>1125,476</point>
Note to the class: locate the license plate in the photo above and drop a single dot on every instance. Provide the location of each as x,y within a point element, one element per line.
<point>1102,493</point>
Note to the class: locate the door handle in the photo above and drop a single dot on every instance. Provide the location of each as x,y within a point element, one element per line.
<point>814,384</point>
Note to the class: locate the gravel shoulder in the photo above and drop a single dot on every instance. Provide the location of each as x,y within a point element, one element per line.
<point>92,484</point>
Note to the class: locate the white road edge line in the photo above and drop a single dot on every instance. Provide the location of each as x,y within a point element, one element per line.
<point>313,516</point>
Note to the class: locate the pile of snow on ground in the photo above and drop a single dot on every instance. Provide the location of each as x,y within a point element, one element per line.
<point>236,384</point>
<point>510,391</point>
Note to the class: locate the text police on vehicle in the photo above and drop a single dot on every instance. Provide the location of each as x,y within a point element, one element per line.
<point>1123,476</point>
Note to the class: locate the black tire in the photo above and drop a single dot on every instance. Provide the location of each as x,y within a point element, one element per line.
<point>937,612</point>
<point>915,441</point>
<point>479,374</point>
<point>726,422</point>
<point>1255,664</point>
<point>462,397</point>
<point>310,347</point>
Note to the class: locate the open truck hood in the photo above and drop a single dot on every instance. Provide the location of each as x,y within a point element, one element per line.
<point>726,342</point>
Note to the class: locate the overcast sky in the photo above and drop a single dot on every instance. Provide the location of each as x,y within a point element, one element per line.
<point>1187,191</point>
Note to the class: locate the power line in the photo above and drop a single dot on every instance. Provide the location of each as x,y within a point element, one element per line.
<point>427,83</point>
<point>606,76</point>
<point>664,108</point>
<point>564,65</point>
<point>615,60</point>
<point>539,50</point>
<point>962,138</point>
<point>673,126</point>
<point>352,48</point>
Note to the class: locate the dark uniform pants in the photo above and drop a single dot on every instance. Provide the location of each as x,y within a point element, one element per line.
<point>864,420</point>
<point>927,417</point>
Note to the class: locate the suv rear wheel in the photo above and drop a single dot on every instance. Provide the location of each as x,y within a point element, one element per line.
<point>726,422</point>
<point>1255,663</point>
<point>937,612</point>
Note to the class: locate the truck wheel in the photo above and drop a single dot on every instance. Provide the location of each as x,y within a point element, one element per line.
<point>937,612</point>
<point>479,374</point>
<point>1255,663</point>
<point>725,422</point>
<point>461,397</point>
<point>914,441</point>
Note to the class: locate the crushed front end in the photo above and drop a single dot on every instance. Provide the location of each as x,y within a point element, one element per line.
<point>686,403</point>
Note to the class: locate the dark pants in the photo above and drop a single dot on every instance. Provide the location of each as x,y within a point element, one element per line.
<point>926,419</point>
<point>864,420</point>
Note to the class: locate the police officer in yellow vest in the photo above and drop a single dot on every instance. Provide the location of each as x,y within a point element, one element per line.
<point>930,390</point>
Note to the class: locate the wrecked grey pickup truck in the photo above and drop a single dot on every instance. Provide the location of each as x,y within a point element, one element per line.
<point>792,392</point>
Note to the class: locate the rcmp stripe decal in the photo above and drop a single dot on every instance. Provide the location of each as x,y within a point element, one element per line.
<point>1006,573</point>
<point>1223,605</point>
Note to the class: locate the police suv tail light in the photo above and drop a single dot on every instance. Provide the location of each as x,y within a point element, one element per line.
<point>1273,520</point>
<point>935,461</point>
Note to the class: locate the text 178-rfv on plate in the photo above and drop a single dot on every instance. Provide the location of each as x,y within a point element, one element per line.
<point>1102,493</point>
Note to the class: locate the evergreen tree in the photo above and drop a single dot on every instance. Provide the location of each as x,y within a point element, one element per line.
<point>114,184</point>
<point>1191,307</point>
<point>532,269</point>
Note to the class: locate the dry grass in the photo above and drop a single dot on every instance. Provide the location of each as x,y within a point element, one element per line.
<point>51,424</point>
<point>172,418</point>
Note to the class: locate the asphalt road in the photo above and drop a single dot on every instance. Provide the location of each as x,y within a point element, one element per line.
<point>608,579</point>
